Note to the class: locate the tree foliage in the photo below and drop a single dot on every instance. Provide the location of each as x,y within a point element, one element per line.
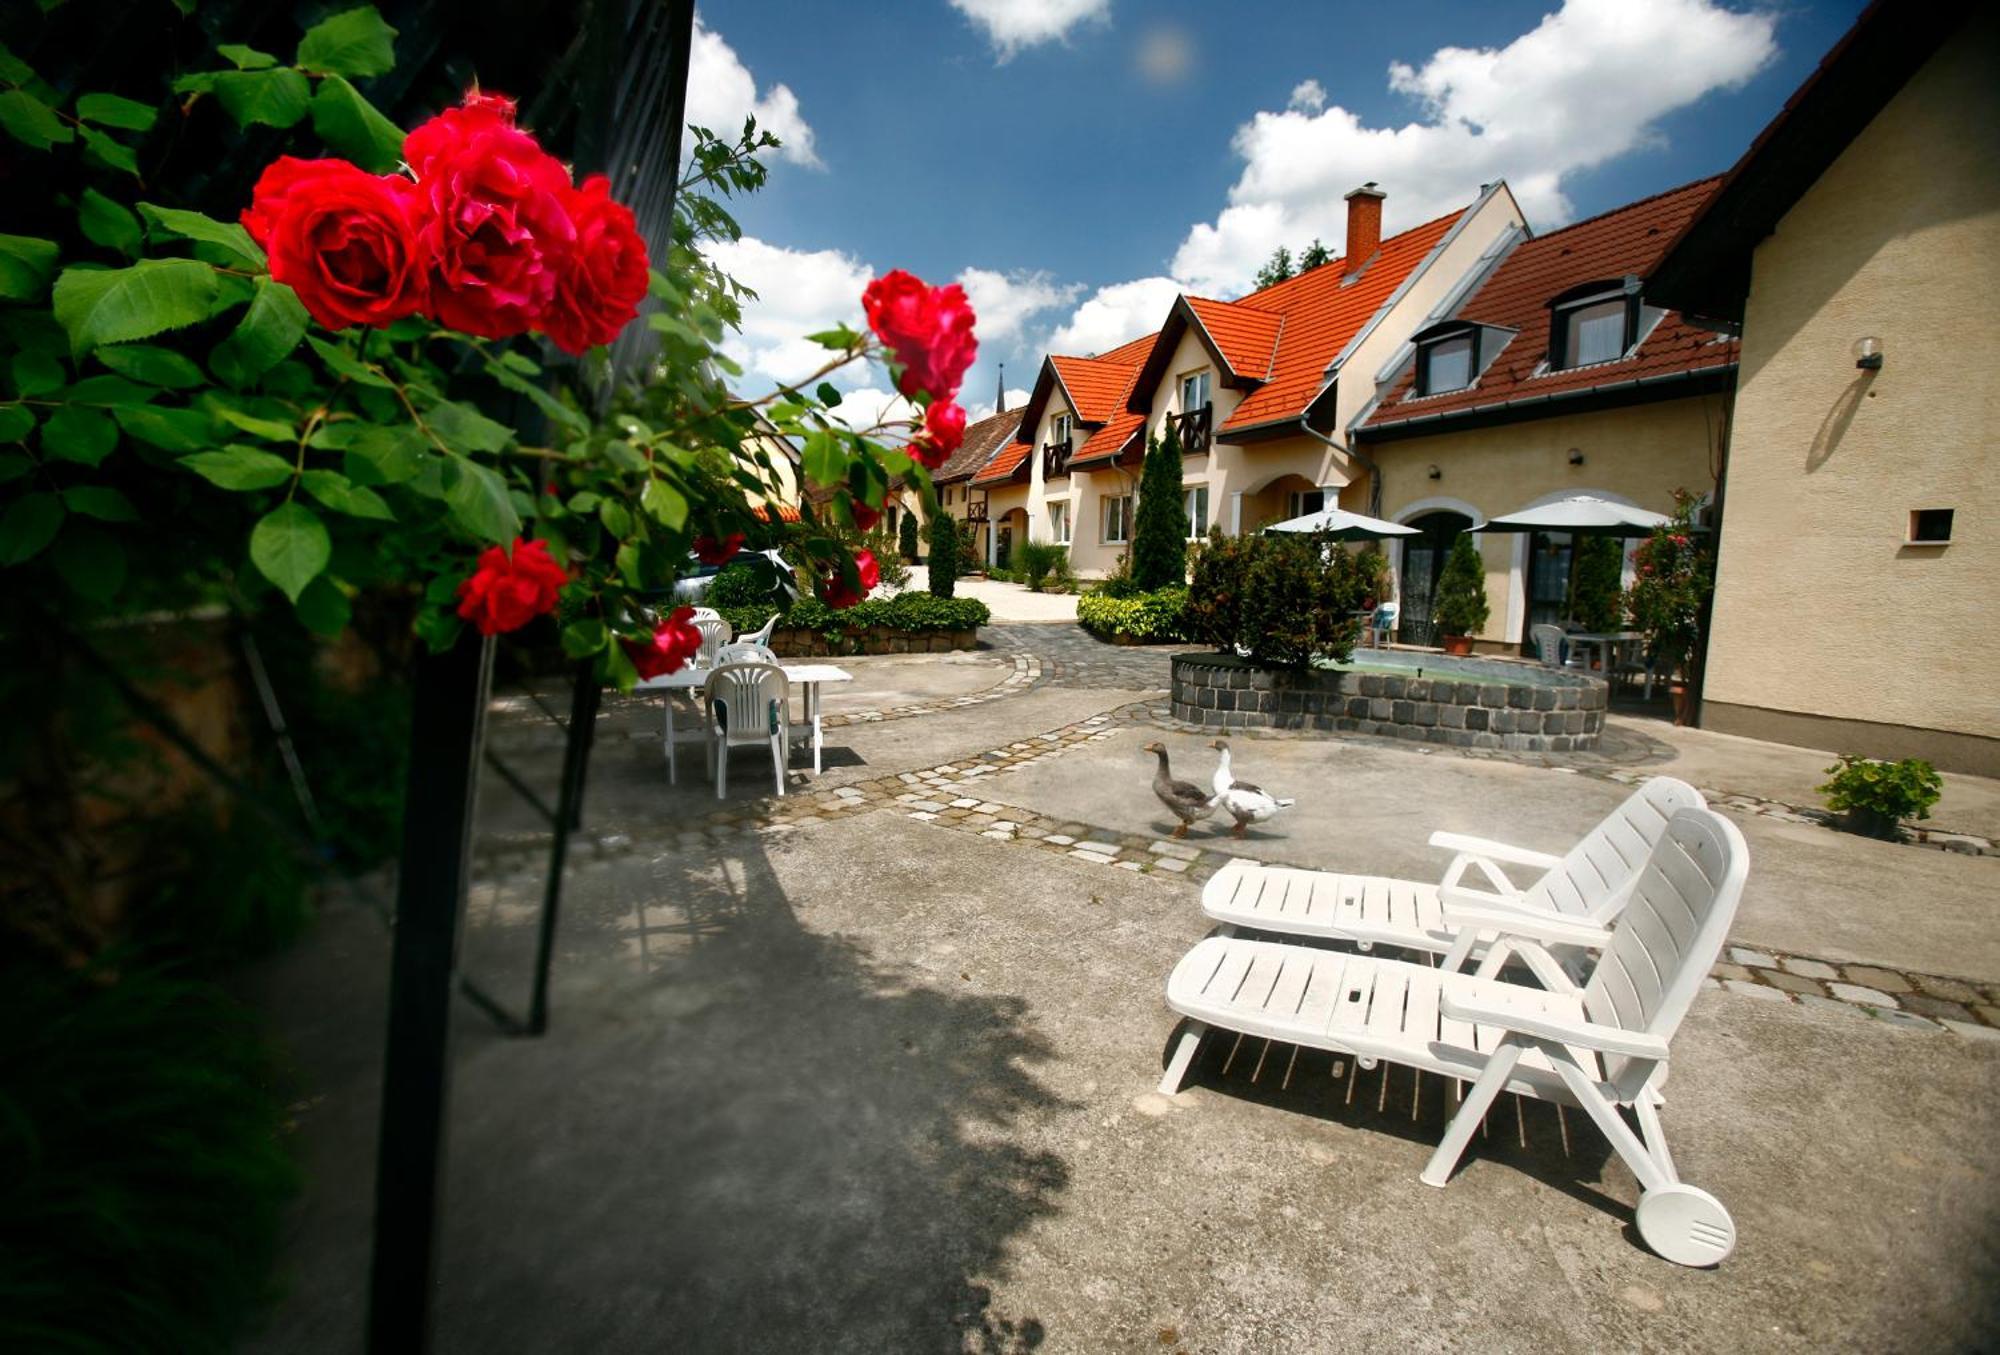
<point>1276,268</point>
<point>1460,607</point>
<point>944,554</point>
<point>906,536</point>
<point>1159,537</point>
<point>1283,600</point>
<point>1600,601</point>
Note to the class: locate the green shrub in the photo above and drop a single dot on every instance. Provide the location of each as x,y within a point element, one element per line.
<point>148,1170</point>
<point>1877,795</point>
<point>1674,573</point>
<point>1600,602</point>
<point>944,555</point>
<point>1156,616</point>
<point>1042,561</point>
<point>742,585</point>
<point>1159,536</point>
<point>1284,599</point>
<point>893,573</point>
<point>904,611</point>
<point>1461,607</point>
<point>906,537</point>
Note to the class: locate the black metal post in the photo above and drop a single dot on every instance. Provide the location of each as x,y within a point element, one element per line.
<point>447,730</point>
<point>568,816</point>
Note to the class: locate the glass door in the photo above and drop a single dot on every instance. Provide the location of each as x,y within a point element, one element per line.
<point>1550,557</point>
<point>1423,561</point>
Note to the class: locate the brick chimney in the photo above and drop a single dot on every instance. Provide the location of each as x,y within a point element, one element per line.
<point>1364,228</point>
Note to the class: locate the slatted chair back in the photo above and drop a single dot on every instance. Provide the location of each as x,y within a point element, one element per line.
<point>1548,644</point>
<point>745,651</point>
<point>704,614</point>
<point>714,635</point>
<point>1597,872</point>
<point>1668,937</point>
<point>748,702</point>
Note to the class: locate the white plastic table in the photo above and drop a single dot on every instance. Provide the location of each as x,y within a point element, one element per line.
<point>1604,642</point>
<point>806,675</point>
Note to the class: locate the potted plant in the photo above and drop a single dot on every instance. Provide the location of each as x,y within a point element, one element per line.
<point>1875,796</point>
<point>1674,572</point>
<point>1460,608</point>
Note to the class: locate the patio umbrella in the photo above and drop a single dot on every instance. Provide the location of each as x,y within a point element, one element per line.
<point>1579,515</point>
<point>1342,525</point>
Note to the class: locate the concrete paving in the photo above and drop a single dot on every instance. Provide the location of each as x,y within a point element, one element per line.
<point>869,1084</point>
<point>1007,601</point>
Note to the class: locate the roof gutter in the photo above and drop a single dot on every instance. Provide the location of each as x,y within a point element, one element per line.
<point>1552,397</point>
<point>1374,471</point>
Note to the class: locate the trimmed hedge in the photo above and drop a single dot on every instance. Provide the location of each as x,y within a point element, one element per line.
<point>1154,618</point>
<point>905,611</point>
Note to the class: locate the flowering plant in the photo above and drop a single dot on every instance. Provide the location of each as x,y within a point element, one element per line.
<point>359,369</point>
<point>1673,574</point>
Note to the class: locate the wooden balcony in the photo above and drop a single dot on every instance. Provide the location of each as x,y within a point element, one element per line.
<point>1196,429</point>
<point>975,510</point>
<point>1055,459</point>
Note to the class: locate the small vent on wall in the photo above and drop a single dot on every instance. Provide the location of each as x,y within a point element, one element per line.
<point>1930,526</point>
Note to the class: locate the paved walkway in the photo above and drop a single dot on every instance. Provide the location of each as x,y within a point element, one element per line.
<point>1007,601</point>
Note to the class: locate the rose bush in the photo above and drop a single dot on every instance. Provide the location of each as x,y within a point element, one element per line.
<point>673,642</point>
<point>345,241</point>
<point>510,588</point>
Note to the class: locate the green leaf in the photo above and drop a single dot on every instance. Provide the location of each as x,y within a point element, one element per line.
<point>91,561</point>
<point>109,391</point>
<point>291,546</point>
<point>108,110</point>
<point>177,223</point>
<point>14,70</point>
<point>276,98</point>
<point>555,409</point>
<point>29,524</point>
<point>171,430</point>
<point>240,468</point>
<point>245,58</point>
<point>356,128</point>
<point>31,122</point>
<point>101,502</point>
<point>268,332</point>
<point>464,429</point>
<point>665,503</point>
<point>438,630</point>
<point>332,489</point>
<point>268,429</point>
<point>104,149</point>
<point>824,461</point>
<point>13,466</point>
<point>480,504</point>
<point>829,394</point>
<point>26,264</point>
<point>16,422</point>
<point>581,639</point>
<point>343,363</point>
<point>385,456</point>
<point>38,374</point>
<point>153,365</point>
<point>323,608</point>
<point>839,339</point>
<point>617,519</point>
<point>112,305</point>
<point>76,434</point>
<point>353,42</point>
<point>107,223</point>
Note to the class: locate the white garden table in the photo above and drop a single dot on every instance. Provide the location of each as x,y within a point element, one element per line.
<point>809,676</point>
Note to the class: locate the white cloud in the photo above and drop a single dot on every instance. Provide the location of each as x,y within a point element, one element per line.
<point>799,292</point>
<point>868,406</point>
<point>982,409</point>
<point>1585,86</point>
<point>1012,25</point>
<point>721,92</point>
<point>1004,301</point>
<point>1165,55</point>
<point>1114,315</point>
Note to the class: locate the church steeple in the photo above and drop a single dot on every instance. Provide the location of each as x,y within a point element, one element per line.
<point>1000,396</point>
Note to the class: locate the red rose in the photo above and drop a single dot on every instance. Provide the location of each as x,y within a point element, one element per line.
<point>929,329</point>
<point>837,593</point>
<point>865,517</point>
<point>602,279</point>
<point>944,430</point>
<point>712,552</point>
<point>675,641</point>
<point>345,240</point>
<point>870,572</point>
<point>508,591</point>
<point>499,230</point>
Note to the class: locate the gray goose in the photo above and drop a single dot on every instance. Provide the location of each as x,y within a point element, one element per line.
<point>1187,801</point>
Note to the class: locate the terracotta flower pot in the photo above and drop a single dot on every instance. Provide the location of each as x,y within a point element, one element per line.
<point>1678,693</point>
<point>1460,645</point>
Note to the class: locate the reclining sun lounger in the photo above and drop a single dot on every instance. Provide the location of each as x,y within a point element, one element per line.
<point>1599,1047</point>
<point>1577,895</point>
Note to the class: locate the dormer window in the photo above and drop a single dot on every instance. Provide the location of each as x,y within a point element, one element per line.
<point>1194,391</point>
<point>1447,363</point>
<point>1599,322</point>
<point>1059,429</point>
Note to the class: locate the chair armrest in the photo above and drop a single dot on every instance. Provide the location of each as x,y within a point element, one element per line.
<point>1584,1034</point>
<point>1495,851</point>
<point>1464,910</point>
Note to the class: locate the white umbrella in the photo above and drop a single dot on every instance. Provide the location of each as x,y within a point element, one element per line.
<point>1581,515</point>
<point>1342,525</point>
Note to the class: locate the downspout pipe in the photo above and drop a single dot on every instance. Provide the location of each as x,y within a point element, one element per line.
<point>1374,471</point>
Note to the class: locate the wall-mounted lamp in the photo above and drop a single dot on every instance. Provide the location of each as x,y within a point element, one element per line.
<point>1436,474</point>
<point>1576,456</point>
<point>1868,354</point>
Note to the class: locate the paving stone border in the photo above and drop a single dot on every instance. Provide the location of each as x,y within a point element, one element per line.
<point>1027,672</point>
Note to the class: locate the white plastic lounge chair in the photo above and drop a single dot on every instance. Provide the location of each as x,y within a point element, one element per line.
<point>761,637</point>
<point>1601,1047</point>
<point>1582,891</point>
<point>750,703</point>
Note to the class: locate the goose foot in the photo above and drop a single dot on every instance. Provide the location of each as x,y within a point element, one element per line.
<point>1180,830</point>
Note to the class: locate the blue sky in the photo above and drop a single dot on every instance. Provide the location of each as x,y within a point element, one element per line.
<point>1076,162</point>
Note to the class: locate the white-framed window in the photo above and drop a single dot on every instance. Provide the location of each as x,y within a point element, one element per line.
<point>1059,426</point>
<point>1194,390</point>
<point>1117,511</point>
<point>1299,502</point>
<point>1059,523</point>
<point>1446,365</point>
<point>1594,332</point>
<point>1196,499</point>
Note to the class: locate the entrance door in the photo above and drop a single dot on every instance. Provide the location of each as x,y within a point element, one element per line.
<point>1003,547</point>
<point>1423,561</point>
<point>1551,556</point>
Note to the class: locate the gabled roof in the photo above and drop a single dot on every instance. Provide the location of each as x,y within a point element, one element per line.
<point>1621,243</point>
<point>1281,341</point>
<point>982,440</point>
<point>1095,388</point>
<point>1706,271</point>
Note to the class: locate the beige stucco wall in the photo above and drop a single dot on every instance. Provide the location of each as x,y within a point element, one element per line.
<point>1638,454</point>
<point>1821,610</point>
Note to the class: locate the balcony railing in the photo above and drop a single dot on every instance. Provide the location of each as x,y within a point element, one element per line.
<point>975,510</point>
<point>1055,459</point>
<point>1196,429</point>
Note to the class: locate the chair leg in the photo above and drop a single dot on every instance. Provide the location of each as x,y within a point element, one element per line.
<point>673,773</point>
<point>778,763</point>
<point>722,770</point>
<point>1183,1058</point>
<point>1492,1078</point>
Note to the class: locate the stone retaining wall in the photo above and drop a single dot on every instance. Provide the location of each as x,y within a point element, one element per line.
<point>801,644</point>
<point>1562,712</point>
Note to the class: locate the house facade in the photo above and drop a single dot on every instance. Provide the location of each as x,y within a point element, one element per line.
<point>1858,244</point>
<point>1553,374</point>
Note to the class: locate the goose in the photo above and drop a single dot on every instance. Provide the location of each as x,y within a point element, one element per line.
<point>1246,803</point>
<point>1188,801</point>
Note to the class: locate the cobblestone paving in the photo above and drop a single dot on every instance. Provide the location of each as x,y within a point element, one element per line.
<point>1071,657</point>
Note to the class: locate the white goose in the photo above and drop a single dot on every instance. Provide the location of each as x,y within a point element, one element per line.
<point>1246,803</point>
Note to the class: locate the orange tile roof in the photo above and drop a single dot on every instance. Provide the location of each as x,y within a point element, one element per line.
<point>1097,387</point>
<point>1107,442</point>
<point>1248,339</point>
<point>1626,241</point>
<point>982,440</point>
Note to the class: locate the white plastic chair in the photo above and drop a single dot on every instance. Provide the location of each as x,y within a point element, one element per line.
<point>1602,1047</point>
<point>705,614</point>
<point>694,730</point>
<point>1548,641</point>
<point>761,637</point>
<point>750,703</point>
<point>745,651</point>
<point>1383,624</point>
<point>714,635</point>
